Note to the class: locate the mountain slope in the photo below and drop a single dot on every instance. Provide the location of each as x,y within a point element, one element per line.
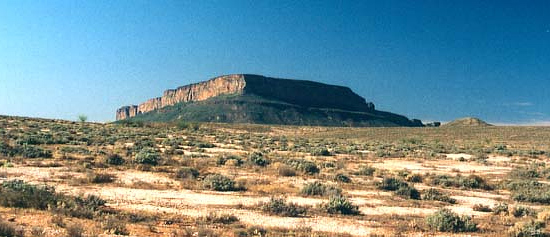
<point>245,98</point>
<point>467,122</point>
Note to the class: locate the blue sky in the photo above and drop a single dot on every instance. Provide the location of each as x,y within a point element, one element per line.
<point>432,60</point>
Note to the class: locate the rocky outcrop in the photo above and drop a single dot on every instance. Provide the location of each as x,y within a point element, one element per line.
<point>467,122</point>
<point>229,84</point>
<point>307,94</point>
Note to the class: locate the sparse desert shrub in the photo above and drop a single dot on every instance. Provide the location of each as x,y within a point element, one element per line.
<point>436,195</point>
<point>521,211</point>
<point>235,160</point>
<point>366,171</point>
<point>16,193</point>
<point>114,159</point>
<point>36,231</point>
<point>447,221</point>
<point>204,145</point>
<point>400,187</point>
<point>279,206</point>
<point>6,149</point>
<point>338,204</point>
<point>305,166</point>
<point>529,191</point>
<point>415,178</point>
<point>257,158</point>
<point>256,231</point>
<point>286,171</point>
<point>114,226</point>
<point>530,228</point>
<point>482,208</point>
<point>408,192</point>
<point>529,172</point>
<point>58,221</point>
<point>218,182</point>
<point>187,173</point>
<point>459,181</point>
<point>7,229</point>
<point>216,218</point>
<point>30,151</point>
<point>544,215</point>
<point>75,230</point>
<point>321,152</point>
<point>500,208</point>
<point>147,156</point>
<point>391,184</point>
<point>342,178</point>
<point>318,189</point>
<point>99,177</point>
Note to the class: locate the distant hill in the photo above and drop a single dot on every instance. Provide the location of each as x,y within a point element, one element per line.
<point>245,98</point>
<point>467,122</point>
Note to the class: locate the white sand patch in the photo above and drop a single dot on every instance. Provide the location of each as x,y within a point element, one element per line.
<point>458,156</point>
<point>440,166</point>
<point>325,224</point>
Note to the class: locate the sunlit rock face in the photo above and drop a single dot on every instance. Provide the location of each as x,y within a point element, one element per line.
<point>302,93</point>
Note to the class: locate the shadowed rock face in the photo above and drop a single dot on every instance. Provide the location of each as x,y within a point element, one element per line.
<point>306,94</point>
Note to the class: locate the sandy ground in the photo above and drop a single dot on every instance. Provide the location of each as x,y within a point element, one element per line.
<point>440,166</point>
<point>200,203</point>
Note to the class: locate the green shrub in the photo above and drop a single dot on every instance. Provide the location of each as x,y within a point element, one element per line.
<point>187,173</point>
<point>216,218</point>
<point>75,230</point>
<point>6,149</point>
<point>459,181</point>
<point>366,171</point>
<point>99,178</point>
<point>318,189</point>
<point>529,191</point>
<point>114,159</point>
<point>521,211</point>
<point>338,204</point>
<point>415,178</point>
<point>408,192</point>
<point>436,195</point>
<point>30,151</point>
<point>223,159</point>
<point>279,206</point>
<point>321,152</point>
<point>218,182</point>
<point>482,208</point>
<point>447,221</point>
<point>305,166</point>
<point>286,171</point>
<point>205,145</point>
<point>530,228</point>
<point>258,159</point>
<point>342,178</point>
<point>147,156</point>
<point>16,193</point>
<point>391,184</point>
<point>114,226</point>
<point>500,208</point>
<point>7,229</point>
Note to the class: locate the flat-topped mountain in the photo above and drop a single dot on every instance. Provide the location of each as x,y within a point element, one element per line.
<point>246,98</point>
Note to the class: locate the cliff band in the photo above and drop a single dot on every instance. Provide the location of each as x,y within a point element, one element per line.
<point>307,94</point>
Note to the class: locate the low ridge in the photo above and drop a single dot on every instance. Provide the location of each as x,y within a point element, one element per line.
<point>246,98</point>
<point>467,122</point>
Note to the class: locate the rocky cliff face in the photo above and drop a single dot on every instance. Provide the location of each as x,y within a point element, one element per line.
<point>229,84</point>
<point>306,94</point>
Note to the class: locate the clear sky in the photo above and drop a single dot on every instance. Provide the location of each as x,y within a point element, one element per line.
<point>432,60</point>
